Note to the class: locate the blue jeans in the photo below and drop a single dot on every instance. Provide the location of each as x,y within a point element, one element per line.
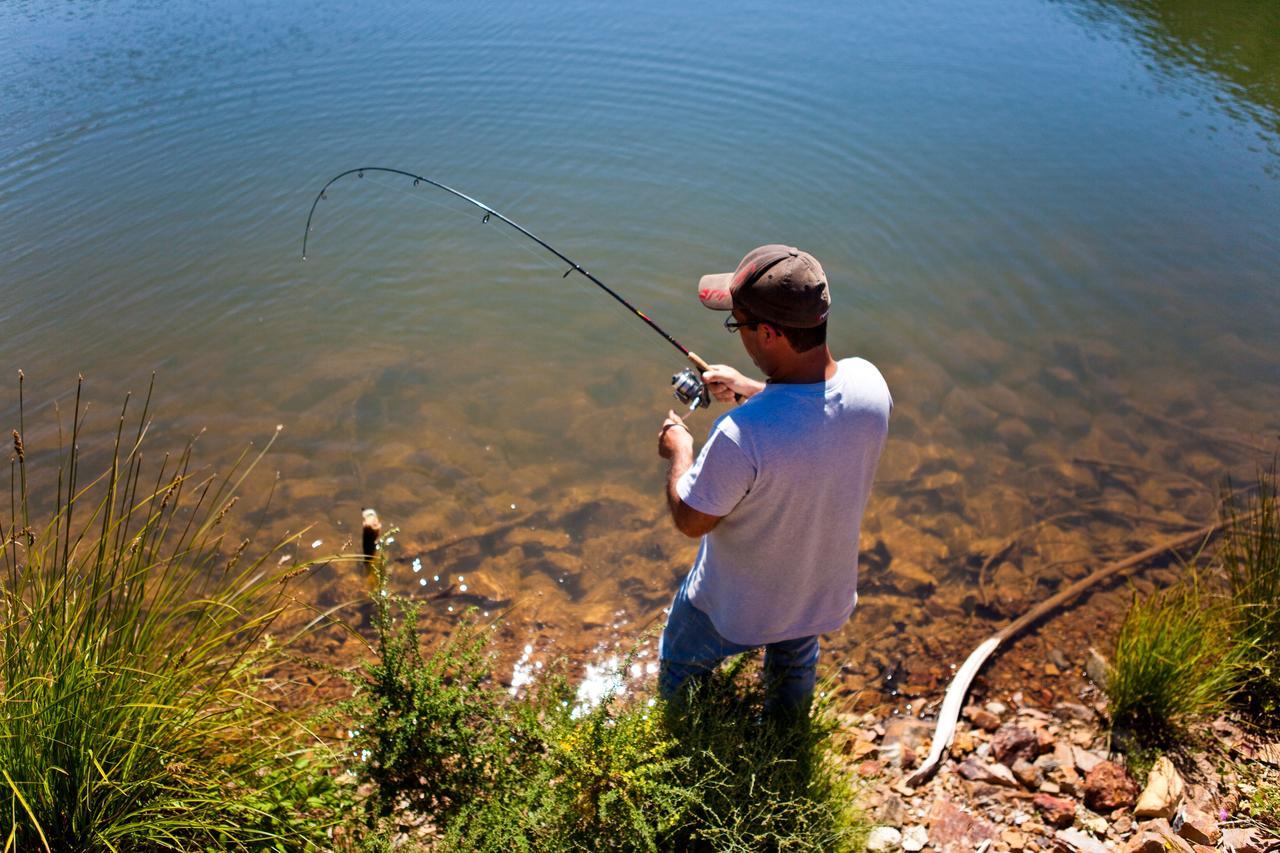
<point>691,648</point>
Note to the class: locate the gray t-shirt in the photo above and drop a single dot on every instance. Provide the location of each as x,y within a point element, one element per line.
<point>790,471</point>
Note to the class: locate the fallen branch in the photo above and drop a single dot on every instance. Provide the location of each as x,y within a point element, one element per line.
<point>953,700</point>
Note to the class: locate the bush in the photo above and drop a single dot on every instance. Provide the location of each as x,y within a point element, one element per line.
<point>1174,664</point>
<point>538,772</point>
<point>1251,558</point>
<point>133,648</point>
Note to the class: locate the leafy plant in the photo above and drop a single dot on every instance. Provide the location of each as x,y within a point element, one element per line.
<point>133,647</point>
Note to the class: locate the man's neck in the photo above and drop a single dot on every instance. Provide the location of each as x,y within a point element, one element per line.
<point>816,365</point>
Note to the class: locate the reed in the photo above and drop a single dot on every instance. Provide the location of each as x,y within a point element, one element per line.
<point>1174,663</point>
<point>1251,560</point>
<point>133,649</point>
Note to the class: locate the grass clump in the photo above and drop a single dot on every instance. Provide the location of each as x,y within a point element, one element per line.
<point>450,750</point>
<point>1251,559</point>
<point>133,648</point>
<point>1174,664</point>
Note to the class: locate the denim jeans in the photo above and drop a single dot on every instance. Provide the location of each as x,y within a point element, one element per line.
<point>691,648</point>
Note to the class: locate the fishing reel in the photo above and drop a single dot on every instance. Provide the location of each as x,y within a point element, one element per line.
<point>690,389</point>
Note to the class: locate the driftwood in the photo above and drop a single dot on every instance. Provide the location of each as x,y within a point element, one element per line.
<point>953,700</point>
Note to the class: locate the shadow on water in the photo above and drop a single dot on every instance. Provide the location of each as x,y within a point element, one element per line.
<point>1232,45</point>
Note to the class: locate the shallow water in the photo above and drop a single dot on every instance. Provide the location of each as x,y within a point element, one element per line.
<point>1052,225</point>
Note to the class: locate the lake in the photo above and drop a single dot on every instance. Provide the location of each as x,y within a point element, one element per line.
<point>1055,226</point>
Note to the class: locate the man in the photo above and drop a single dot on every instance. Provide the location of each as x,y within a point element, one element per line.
<point>778,491</point>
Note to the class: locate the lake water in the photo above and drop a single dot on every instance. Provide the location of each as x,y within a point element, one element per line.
<point>1055,226</point>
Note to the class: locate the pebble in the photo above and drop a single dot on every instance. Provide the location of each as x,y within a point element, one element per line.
<point>884,839</point>
<point>914,838</point>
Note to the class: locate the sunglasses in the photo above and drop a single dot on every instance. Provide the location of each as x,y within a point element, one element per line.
<point>731,325</point>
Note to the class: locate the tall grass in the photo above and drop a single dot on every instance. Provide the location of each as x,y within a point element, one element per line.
<point>133,645</point>
<point>1251,559</point>
<point>1174,663</point>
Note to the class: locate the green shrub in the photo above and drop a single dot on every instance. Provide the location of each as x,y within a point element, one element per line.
<point>133,648</point>
<point>1251,558</point>
<point>1174,664</point>
<point>431,730</point>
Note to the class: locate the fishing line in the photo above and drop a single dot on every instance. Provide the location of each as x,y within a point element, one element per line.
<point>687,384</point>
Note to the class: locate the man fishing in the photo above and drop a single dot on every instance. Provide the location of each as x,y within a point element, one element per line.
<point>778,491</point>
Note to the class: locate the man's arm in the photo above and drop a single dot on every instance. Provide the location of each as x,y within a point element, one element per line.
<point>675,443</point>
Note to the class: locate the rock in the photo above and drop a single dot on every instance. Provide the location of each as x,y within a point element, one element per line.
<point>1047,787</point>
<point>884,839</point>
<point>1097,668</point>
<point>1057,811</point>
<point>903,738</point>
<point>1085,760</point>
<point>1241,840</point>
<point>1095,824</point>
<point>1146,842</point>
<point>910,578</point>
<point>1075,841</point>
<point>892,810</point>
<point>1198,827</point>
<point>954,831</point>
<point>962,743</point>
<point>1108,787</point>
<point>974,770</point>
<point>1027,773</point>
<point>998,708</point>
<point>1014,839</point>
<point>914,838</point>
<point>1122,825</point>
<point>1014,742</point>
<point>1074,711</point>
<point>982,718</point>
<point>1058,659</point>
<point>1163,792</point>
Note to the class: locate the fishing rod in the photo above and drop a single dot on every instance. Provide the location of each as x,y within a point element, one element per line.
<point>687,384</point>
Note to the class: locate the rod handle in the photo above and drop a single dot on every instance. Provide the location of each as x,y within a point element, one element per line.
<point>703,367</point>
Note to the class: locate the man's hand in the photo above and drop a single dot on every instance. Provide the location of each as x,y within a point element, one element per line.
<point>724,382</point>
<point>674,438</point>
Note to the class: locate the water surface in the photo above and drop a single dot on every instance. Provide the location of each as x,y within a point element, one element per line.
<point>1052,225</point>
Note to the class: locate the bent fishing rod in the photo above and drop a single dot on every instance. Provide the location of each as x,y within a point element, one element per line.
<point>687,384</point>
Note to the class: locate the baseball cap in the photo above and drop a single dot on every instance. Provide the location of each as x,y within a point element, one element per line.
<point>777,283</point>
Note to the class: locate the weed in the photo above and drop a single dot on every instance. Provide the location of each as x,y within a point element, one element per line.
<point>132,655</point>
<point>1251,559</point>
<point>1174,664</point>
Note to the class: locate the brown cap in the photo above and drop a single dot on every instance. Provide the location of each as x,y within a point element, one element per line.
<point>777,283</point>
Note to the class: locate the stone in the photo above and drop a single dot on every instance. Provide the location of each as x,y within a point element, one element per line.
<point>1012,742</point>
<point>903,738</point>
<point>962,743</point>
<point>982,718</point>
<point>914,838</point>
<point>1096,824</point>
<point>892,810</point>
<point>1085,760</point>
<point>1163,792</point>
<point>884,839</point>
<point>1199,827</point>
<point>997,707</point>
<point>910,578</point>
<point>975,770</point>
<point>954,831</point>
<point>1058,812</point>
<point>1047,787</point>
<point>1027,773</point>
<point>1075,841</point>
<point>1074,711</point>
<point>1241,840</point>
<point>1014,839</point>
<point>1146,842</point>
<point>1058,659</point>
<point>1109,787</point>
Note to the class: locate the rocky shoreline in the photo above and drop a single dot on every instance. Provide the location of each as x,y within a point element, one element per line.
<point>1022,775</point>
